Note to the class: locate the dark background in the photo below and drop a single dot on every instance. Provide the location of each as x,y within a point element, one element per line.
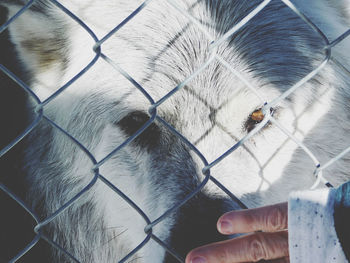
<point>16,225</point>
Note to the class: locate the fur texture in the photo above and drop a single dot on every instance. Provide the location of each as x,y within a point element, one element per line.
<point>160,48</point>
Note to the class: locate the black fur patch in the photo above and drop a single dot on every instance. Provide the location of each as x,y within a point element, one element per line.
<point>130,124</point>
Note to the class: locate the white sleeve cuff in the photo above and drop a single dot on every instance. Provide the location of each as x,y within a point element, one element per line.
<point>312,236</point>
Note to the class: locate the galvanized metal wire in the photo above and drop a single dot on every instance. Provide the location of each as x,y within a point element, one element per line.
<point>153,106</point>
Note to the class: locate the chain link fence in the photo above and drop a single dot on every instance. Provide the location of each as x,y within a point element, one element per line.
<point>266,110</point>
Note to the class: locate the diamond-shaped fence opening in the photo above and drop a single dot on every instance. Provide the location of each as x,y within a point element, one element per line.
<point>39,116</point>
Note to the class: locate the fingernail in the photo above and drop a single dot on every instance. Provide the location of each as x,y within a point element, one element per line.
<point>198,260</point>
<point>225,227</point>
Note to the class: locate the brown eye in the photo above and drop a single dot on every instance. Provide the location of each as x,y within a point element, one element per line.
<point>257,116</point>
<point>254,118</point>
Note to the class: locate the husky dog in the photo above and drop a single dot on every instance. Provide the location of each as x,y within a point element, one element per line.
<point>160,47</point>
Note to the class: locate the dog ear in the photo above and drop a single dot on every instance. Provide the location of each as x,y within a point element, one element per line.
<point>37,39</point>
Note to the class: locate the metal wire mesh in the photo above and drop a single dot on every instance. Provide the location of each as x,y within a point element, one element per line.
<point>268,105</point>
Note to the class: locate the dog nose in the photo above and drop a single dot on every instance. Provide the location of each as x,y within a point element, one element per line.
<point>196,224</point>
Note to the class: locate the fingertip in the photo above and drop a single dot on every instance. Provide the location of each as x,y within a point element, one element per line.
<point>198,259</point>
<point>225,223</point>
<point>224,226</point>
<point>189,256</point>
<point>193,258</point>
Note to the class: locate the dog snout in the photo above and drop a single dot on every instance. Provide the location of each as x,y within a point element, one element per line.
<point>196,224</point>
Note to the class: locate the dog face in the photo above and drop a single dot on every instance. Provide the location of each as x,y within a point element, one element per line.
<point>228,99</point>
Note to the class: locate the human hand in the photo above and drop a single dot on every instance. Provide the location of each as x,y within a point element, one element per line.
<point>270,245</point>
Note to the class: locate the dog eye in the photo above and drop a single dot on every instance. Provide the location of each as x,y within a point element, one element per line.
<point>133,122</point>
<point>254,118</point>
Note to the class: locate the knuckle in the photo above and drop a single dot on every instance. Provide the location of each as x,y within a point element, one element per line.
<point>257,248</point>
<point>276,219</point>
